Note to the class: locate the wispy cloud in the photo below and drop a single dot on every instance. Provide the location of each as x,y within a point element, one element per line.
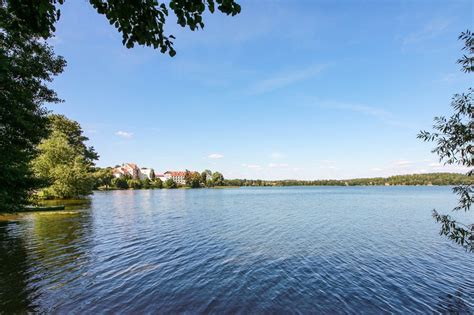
<point>428,31</point>
<point>124,134</point>
<point>215,156</point>
<point>377,113</point>
<point>282,80</point>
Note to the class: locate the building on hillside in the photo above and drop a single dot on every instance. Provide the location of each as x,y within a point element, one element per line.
<point>129,169</point>
<point>146,172</point>
<point>177,176</point>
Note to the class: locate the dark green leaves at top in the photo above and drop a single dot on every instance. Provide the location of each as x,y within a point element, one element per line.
<point>140,21</point>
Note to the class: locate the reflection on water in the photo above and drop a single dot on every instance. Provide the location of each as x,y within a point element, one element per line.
<point>71,204</point>
<point>311,250</point>
<point>14,295</point>
<point>39,252</point>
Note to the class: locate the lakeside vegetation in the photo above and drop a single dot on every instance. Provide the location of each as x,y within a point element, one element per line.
<point>413,179</point>
<point>105,181</point>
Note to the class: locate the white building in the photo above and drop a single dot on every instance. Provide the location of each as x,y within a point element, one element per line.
<point>146,173</point>
<point>178,177</point>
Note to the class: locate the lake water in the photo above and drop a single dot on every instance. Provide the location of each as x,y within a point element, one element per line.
<point>367,250</point>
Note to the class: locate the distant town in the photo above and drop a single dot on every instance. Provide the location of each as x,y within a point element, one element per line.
<point>131,176</point>
<point>133,171</point>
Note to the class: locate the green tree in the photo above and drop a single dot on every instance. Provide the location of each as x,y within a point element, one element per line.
<point>103,177</point>
<point>157,183</point>
<point>169,183</point>
<point>217,179</point>
<point>146,183</point>
<point>63,168</point>
<point>120,183</point>
<point>454,138</point>
<point>193,180</point>
<point>73,131</point>
<point>134,183</point>
<point>27,64</point>
<point>206,176</point>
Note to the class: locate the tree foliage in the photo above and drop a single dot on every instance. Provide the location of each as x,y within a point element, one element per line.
<point>103,177</point>
<point>217,179</point>
<point>169,183</point>
<point>27,64</point>
<point>193,179</point>
<point>73,131</point>
<point>65,170</point>
<point>134,183</point>
<point>157,183</point>
<point>206,176</point>
<point>139,22</point>
<point>454,145</point>
<point>65,162</point>
<point>120,183</point>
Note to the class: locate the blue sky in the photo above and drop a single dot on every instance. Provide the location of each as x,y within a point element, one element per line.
<point>286,89</point>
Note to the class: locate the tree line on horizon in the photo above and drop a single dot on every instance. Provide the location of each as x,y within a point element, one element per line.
<point>207,179</point>
<point>436,179</point>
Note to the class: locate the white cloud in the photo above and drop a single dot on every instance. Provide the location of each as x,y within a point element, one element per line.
<point>284,79</point>
<point>124,134</point>
<point>215,156</point>
<point>376,169</point>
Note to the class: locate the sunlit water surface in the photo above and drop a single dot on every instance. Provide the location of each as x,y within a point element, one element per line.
<point>249,250</point>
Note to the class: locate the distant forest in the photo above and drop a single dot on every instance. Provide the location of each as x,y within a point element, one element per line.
<point>413,179</point>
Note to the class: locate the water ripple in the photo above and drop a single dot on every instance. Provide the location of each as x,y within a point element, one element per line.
<point>346,250</point>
